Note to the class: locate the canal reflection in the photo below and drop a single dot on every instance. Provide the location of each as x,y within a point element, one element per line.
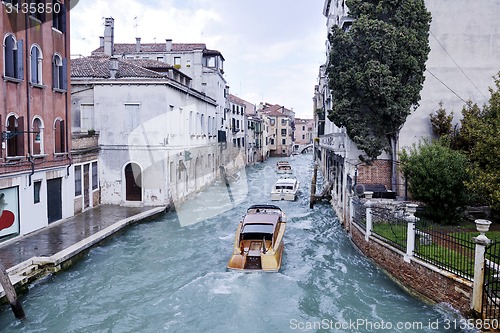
<point>167,276</point>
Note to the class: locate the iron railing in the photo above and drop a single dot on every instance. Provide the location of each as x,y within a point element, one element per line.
<point>446,247</point>
<point>491,289</point>
<point>359,216</point>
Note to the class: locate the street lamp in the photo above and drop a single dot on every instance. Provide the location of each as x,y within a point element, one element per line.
<point>6,135</point>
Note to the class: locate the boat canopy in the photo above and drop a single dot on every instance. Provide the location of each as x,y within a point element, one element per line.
<point>258,228</point>
<point>263,218</point>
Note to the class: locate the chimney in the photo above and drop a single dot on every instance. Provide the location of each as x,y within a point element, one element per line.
<point>113,67</point>
<point>101,41</point>
<point>137,44</point>
<point>109,26</point>
<point>168,45</point>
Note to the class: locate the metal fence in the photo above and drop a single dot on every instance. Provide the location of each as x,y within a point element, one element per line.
<point>448,248</point>
<point>359,212</point>
<point>491,289</point>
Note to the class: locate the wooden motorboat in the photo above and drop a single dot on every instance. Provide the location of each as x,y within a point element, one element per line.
<point>285,189</point>
<point>258,243</point>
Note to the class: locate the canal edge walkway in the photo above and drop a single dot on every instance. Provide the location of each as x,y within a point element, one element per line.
<point>78,233</point>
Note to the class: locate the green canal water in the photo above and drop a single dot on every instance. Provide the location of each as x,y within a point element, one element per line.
<point>169,275</point>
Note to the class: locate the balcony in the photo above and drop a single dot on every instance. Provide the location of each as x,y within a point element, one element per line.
<point>334,141</point>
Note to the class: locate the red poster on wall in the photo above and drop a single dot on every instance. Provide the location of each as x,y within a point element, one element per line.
<point>9,211</point>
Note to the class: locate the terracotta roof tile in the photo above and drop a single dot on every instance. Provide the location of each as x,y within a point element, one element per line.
<point>98,67</point>
<point>124,48</point>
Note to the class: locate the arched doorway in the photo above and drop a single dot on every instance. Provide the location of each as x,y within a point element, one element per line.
<point>133,189</point>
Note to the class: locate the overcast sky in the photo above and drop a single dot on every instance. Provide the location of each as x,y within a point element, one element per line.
<point>273,48</point>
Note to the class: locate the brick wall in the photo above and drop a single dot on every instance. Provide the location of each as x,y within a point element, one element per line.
<point>418,279</point>
<point>377,173</point>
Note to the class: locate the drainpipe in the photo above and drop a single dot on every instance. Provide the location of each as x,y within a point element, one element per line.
<point>28,95</point>
<point>68,73</point>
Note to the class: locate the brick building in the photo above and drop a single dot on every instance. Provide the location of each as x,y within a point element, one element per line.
<point>34,119</point>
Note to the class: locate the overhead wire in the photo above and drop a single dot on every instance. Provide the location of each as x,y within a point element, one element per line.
<point>444,84</point>
<point>458,66</point>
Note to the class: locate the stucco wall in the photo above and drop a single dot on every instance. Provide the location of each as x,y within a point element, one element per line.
<point>465,55</point>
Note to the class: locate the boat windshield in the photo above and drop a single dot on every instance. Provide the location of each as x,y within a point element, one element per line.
<point>284,187</point>
<point>257,232</point>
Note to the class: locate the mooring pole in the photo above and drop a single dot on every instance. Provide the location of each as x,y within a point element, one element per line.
<point>226,181</point>
<point>313,187</point>
<point>10,293</point>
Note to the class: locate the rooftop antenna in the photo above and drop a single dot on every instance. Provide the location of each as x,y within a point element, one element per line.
<point>135,25</point>
<point>84,46</point>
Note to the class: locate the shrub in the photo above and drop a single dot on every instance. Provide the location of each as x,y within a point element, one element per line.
<point>436,175</point>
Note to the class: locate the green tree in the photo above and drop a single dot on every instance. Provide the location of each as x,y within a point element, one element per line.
<point>479,139</point>
<point>441,122</point>
<point>376,71</point>
<point>436,175</point>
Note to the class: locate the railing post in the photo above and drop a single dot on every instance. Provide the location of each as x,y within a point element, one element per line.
<point>351,210</point>
<point>410,232</point>
<point>479,260</point>
<point>368,230</point>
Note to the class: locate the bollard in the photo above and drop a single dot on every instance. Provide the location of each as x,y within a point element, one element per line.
<point>10,293</point>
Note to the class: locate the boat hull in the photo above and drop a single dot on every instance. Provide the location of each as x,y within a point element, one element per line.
<point>283,196</point>
<point>269,262</point>
<point>258,243</point>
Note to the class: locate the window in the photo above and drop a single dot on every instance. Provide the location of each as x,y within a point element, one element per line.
<point>87,120</point>
<point>37,136</point>
<point>36,64</point>
<point>272,121</point>
<point>36,191</point>
<point>132,116</point>
<point>271,140</point>
<point>13,57</point>
<point>59,70</point>
<point>15,137</point>
<point>59,16</point>
<point>177,62</point>
<point>59,136</point>
<point>303,137</point>
<point>78,180</point>
<point>211,62</point>
<point>283,141</point>
<point>95,181</point>
<point>202,123</point>
<point>303,128</point>
<point>283,121</point>
<point>283,132</point>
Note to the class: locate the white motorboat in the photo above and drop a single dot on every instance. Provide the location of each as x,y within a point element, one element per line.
<point>285,189</point>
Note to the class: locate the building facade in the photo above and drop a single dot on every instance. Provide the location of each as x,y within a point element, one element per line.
<point>205,67</point>
<point>461,66</point>
<point>281,127</point>
<point>35,164</point>
<point>157,136</point>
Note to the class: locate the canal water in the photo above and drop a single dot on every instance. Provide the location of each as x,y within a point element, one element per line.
<point>169,275</point>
